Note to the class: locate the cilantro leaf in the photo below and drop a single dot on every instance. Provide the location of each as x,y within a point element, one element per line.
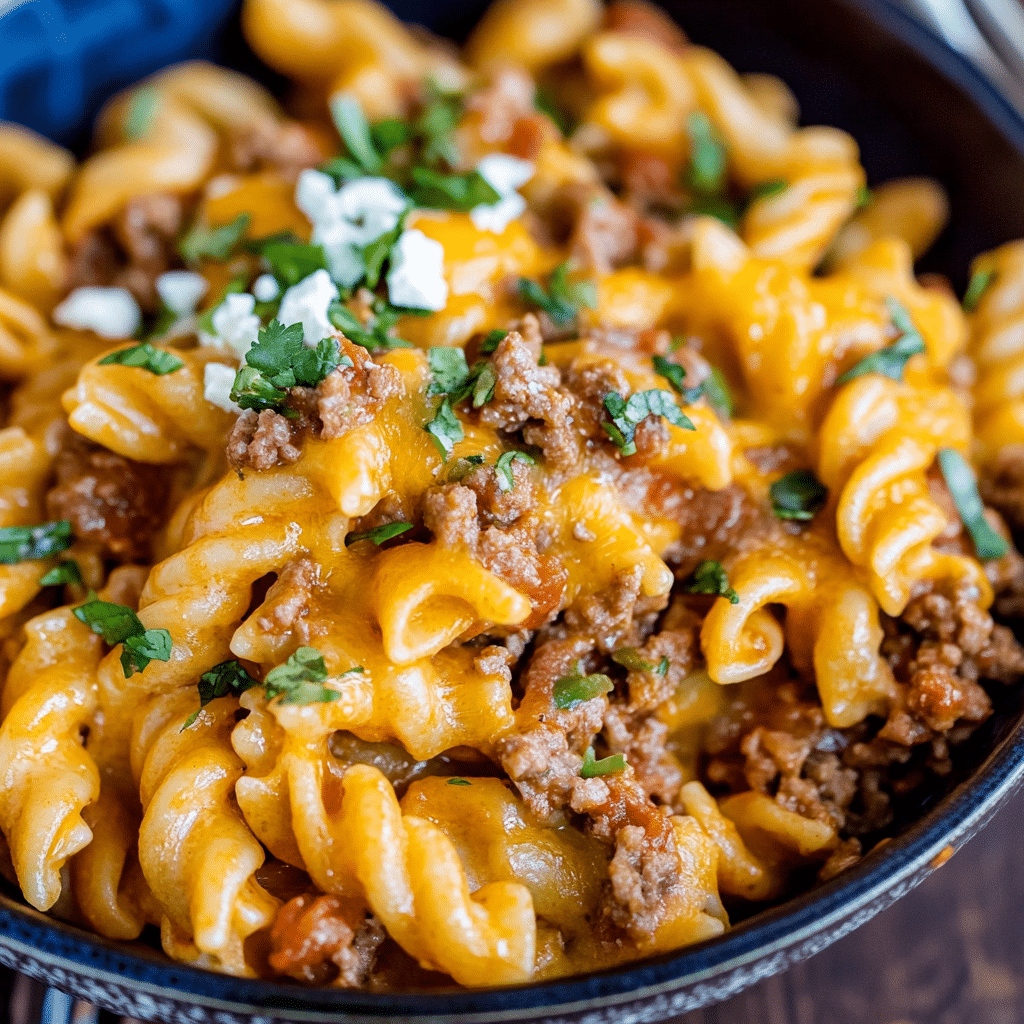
<point>378,534</point>
<point>592,769</point>
<point>458,782</point>
<point>767,190</point>
<point>146,357</point>
<point>375,333</point>
<point>981,281</point>
<point>491,342</point>
<point>710,578</point>
<point>203,242</point>
<point>27,543</point>
<point>300,679</point>
<point>290,260</point>
<point>716,393</point>
<point>229,677</point>
<point>118,624</point>
<point>713,388</point>
<point>142,108</point>
<point>572,690</point>
<point>563,298</point>
<point>672,372</point>
<point>462,467</point>
<point>349,119</point>
<point>66,571</point>
<point>705,173</point>
<point>631,660</point>
<point>390,133</point>
<point>503,468</point>
<point>461,192</point>
<point>628,415</point>
<point>448,368</point>
<point>798,495</point>
<point>280,360</point>
<point>545,103</point>
<point>864,198</point>
<point>435,128</point>
<point>379,251</point>
<point>892,359</point>
<point>444,429</point>
<point>963,487</point>
<point>483,385</point>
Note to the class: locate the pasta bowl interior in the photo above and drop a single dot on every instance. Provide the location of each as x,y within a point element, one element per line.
<point>505,532</point>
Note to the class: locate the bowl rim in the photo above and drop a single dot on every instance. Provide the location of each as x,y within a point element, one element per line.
<point>66,956</point>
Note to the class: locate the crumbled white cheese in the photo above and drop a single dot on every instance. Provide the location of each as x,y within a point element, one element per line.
<point>416,278</point>
<point>347,219</point>
<point>306,303</point>
<point>109,312</point>
<point>218,379</point>
<point>266,288</point>
<point>235,326</point>
<point>181,290</point>
<point>504,174</point>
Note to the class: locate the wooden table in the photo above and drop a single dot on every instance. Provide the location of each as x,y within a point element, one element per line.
<point>951,952</point>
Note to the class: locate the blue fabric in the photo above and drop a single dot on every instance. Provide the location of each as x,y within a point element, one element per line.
<point>59,59</point>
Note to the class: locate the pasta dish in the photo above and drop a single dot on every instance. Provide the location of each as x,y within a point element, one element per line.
<point>488,515</point>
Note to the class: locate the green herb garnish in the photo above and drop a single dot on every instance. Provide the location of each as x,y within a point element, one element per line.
<point>142,108</point>
<point>202,242</point>
<point>458,782</point>
<point>981,281</point>
<point>963,487</point>
<point>354,130</point>
<point>229,677</point>
<point>451,376</point>
<point>592,769</point>
<point>572,690</point>
<point>444,429</point>
<point>491,342</point>
<point>503,468</point>
<point>66,571</point>
<point>563,299</point>
<point>146,357</point>
<point>118,624</point>
<point>710,578</point>
<point>627,415</point>
<point>378,534</point>
<point>300,679</point>
<point>705,173</point>
<point>290,260</point>
<point>375,334</point>
<point>438,190</point>
<point>631,659</point>
<point>767,189</point>
<point>27,543</point>
<point>892,359</point>
<point>798,495</point>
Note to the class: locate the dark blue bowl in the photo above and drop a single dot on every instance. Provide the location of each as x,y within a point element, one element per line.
<point>916,108</point>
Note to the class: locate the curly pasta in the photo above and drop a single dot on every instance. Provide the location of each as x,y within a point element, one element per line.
<point>533,500</point>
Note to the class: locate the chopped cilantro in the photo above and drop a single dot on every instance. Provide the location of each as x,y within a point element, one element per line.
<point>963,487</point>
<point>864,197</point>
<point>290,260</point>
<point>503,468</point>
<point>118,624</point>
<point>572,690</point>
<point>710,578</point>
<point>892,359</point>
<point>440,191</point>
<point>140,111</point>
<point>352,126</point>
<point>375,334</point>
<point>713,388</point>
<point>280,360</point>
<point>300,679</point>
<point>491,341</point>
<point>626,416</point>
<point>563,298</point>
<point>705,173</point>
<point>378,534</point>
<point>630,658</point>
<point>449,370</point>
<point>767,190</point>
<point>716,393</point>
<point>798,495</point>
<point>378,252</point>
<point>434,128</point>
<point>545,103</point>
<point>981,281</point>
<point>672,372</point>
<point>66,571</point>
<point>462,467</point>
<point>203,242</point>
<point>444,429</point>
<point>592,769</point>
<point>390,133</point>
<point>146,357</point>
<point>229,677</point>
<point>458,782</point>
<point>27,543</point>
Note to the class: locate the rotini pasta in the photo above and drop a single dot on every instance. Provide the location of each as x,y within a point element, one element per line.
<point>502,505</point>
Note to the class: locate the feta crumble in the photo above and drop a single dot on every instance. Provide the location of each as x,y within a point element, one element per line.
<point>218,380</point>
<point>109,312</point>
<point>235,325</point>
<point>347,219</point>
<point>306,303</point>
<point>266,288</point>
<point>416,278</point>
<point>504,174</point>
<point>181,290</point>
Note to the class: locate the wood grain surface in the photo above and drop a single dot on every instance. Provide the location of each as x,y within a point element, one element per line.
<point>950,952</point>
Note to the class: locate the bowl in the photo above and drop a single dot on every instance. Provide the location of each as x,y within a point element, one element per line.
<point>916,107</point>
